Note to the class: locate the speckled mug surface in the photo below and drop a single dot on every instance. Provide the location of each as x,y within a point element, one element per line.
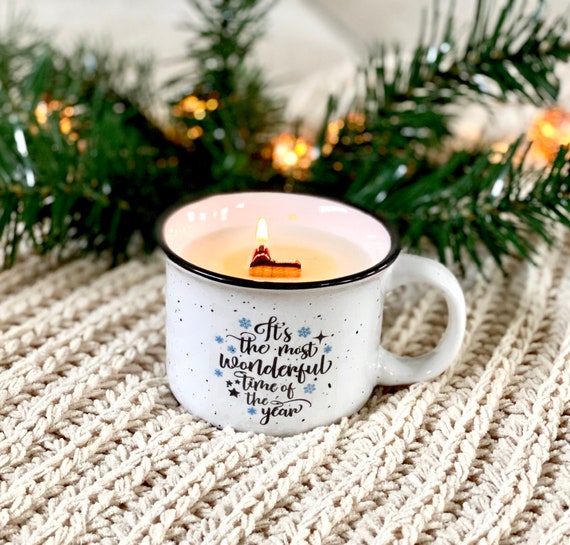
<point>284,357</point>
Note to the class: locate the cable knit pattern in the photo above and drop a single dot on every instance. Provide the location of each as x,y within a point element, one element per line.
<point>95,449</point>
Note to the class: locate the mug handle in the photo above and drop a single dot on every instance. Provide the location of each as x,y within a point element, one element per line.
<point>395,370</point>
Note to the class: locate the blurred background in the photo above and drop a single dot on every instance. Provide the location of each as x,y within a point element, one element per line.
<point>311,47</point>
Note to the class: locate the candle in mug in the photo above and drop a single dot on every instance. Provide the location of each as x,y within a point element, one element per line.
<point>322,255</point>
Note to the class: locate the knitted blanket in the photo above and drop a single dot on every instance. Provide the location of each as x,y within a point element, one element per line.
<point>95,449</point>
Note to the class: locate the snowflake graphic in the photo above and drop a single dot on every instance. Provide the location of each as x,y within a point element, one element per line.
<point>245,323</point>
<point>327,348</point>
<point>309,389</point>
<point>252,410</point>
<point>219,339</point>
<point>304,331</point>
<point>218,373</point>
<point>231,348</point>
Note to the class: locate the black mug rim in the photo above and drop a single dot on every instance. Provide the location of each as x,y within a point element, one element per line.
<point>384,263</point>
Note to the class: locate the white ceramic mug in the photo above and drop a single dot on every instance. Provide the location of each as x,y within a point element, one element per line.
<point>284,355</point>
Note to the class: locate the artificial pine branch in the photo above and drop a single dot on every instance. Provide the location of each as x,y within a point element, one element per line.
<point>476,198</point>
<point>391,153</point>
<point>235,133</point>
<point>78,159</point>
<point>81,158</point>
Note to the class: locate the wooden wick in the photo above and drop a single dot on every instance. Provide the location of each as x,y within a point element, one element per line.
<point>263,265</point>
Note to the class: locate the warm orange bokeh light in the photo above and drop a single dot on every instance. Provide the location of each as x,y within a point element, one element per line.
<point>549,131</point>
<point>292,154</point>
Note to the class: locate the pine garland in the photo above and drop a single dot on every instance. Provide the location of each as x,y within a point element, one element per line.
<point>463,198</point>
<point>83,161</point>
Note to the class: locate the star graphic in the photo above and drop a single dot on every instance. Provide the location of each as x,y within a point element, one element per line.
<point>228,383</point>
<point>234,393</point>
<point>320,337</point>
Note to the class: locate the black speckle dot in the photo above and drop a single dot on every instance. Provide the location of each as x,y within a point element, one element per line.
<point>329,385</point>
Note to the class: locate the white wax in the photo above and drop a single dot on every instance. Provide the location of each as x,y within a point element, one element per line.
<point>323,256</point>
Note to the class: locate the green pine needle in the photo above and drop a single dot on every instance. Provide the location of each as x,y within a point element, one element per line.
<point>482,200</point>
<point>75,150</point>
<point>395,159</point>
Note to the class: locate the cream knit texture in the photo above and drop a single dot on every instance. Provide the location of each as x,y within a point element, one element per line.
<point>95,449</point>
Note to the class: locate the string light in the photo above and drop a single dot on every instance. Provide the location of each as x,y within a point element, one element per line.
<point>331,136</point>
<point>42,112</point>
<point>65,125</point>
<point>212,104</point>
<point>194,132</point>
<point>355,123</point>
<point>195,106</point>
<point>292,155</point>
<point>548,131</point>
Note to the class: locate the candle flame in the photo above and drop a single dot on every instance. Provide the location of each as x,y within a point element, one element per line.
<point>262,234</point>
